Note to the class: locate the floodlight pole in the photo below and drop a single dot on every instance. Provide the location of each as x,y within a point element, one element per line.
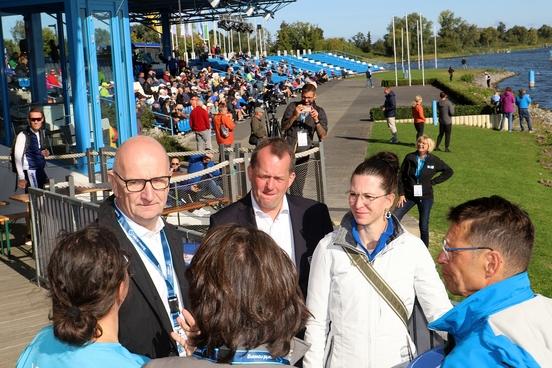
<point>239,41</point>
<point>422,48</point>
<point>408,53</point>
<point>395,54</point>
<point>257,40</point>
<point>248,44</point>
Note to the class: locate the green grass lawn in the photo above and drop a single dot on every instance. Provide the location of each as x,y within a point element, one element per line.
<point>486,162</point>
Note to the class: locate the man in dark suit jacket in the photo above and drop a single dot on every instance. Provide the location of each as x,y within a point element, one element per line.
<point>271,173</point>
<point>140,185</point>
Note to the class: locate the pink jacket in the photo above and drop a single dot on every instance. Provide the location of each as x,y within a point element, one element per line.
<point>508,102</point>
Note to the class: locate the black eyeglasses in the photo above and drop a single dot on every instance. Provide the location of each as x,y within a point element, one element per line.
<point>447,250</point>
<point>138,185</point>
<point>35,119</point>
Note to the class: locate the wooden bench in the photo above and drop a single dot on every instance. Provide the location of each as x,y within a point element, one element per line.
<point>195,205</point>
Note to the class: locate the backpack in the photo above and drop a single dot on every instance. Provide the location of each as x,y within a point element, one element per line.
<point>223,130</point>
<point>12,153</point>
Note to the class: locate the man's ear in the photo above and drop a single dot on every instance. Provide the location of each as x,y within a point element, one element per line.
<point>494,264</point>
<point>112,180</point>
<point>291,179</point>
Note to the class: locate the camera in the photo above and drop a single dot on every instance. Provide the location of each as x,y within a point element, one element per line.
<point>272,98</point>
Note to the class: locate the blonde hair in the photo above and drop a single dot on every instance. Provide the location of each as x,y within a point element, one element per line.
<point>430,142</point>
<point>417,99</point>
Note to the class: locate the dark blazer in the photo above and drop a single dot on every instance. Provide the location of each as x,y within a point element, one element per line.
<point>310,221</point>
<point>144,326</point>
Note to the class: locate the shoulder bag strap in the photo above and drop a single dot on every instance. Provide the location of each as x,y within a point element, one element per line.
<point>379,284</point>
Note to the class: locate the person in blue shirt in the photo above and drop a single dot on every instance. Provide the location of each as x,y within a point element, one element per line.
<point>523,101</point>
<point>208,184</point>
<point>89,281</point>
<point>502,322</point>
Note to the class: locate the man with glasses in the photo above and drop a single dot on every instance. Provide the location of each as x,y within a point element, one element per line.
<point>157,286</point>
<point>29,152</point>
<point>502,322</point>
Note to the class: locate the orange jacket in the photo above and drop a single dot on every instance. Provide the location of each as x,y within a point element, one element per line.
<point>227,120</point>
<point>418,113</point>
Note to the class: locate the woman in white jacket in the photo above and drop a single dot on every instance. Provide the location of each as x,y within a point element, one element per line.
<point>352,326</point>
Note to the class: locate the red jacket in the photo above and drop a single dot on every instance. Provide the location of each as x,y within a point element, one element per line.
<point>227,120</point>
<point>418,113</point>
<point>199,119</point>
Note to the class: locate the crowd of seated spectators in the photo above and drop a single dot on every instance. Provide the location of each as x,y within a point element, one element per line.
<point>241,86</point>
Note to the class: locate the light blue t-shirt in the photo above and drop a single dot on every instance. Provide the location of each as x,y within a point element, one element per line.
<point>46,351</point>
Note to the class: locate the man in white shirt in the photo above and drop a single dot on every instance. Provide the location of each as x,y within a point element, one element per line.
<point>158,287</point>
<point>296,224</point>
<point>29,152</point>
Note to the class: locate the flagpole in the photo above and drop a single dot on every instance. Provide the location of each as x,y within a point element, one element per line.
<point>435,43</point>
<point>422,48</point>
<point>395,54</point>
<point>408,53</point>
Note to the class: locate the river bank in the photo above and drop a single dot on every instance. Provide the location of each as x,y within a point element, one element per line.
<point>540,115</point>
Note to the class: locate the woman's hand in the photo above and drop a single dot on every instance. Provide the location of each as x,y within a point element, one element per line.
<point>188,325</point>
<point>401,202</point>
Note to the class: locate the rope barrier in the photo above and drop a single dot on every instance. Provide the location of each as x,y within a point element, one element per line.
<point>181,178</point>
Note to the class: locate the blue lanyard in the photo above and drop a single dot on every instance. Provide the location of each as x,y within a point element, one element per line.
<point>245,357</point>
<point>169,277</point>
<point>420,167</point>
<point>382,242</point>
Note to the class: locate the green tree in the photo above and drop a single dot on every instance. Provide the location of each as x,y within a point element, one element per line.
<point>501,29</point>
<point>142,33</point>
<point>18,31</point>
<point>488,37</point>
<point>450,39</point>
<point>361,41</point>
<point>545,32</point>
<point>298,36</point>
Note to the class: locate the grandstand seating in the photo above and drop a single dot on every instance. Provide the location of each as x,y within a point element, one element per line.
<point>343,62</point>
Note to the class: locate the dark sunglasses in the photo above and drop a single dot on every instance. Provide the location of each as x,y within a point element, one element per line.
<point>35,119</point>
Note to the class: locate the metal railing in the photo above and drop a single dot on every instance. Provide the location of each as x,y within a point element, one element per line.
<point>54,213</point>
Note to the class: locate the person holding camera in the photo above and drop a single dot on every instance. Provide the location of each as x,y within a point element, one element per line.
<point>299,123</point>
<point>258,127</point>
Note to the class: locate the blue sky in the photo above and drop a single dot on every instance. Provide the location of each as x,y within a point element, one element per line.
<point>347,17</point>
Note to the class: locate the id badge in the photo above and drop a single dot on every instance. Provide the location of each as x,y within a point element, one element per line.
<point>418,190</point>
<point>302,139</point>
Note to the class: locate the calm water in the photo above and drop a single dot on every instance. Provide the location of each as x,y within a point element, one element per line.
<point>519,62</point>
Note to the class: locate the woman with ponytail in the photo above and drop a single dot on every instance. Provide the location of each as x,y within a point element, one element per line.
<point>88,282</point>
<point>368,256</point>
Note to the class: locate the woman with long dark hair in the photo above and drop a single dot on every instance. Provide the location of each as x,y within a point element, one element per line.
<point>246,302</point>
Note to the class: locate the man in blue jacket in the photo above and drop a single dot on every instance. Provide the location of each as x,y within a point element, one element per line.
<point>389,111</point>
<point>523,101</point>
<point>502,322</point>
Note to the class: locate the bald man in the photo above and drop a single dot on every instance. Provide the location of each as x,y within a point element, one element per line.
<point>157,284</point>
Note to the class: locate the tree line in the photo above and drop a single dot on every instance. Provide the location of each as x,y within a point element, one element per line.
<point>455,35</point>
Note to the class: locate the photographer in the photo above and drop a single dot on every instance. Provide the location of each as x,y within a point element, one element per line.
<point>301,119</point>
<point>258,127</point>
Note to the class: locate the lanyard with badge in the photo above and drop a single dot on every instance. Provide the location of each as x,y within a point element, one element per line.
<point>244,357</point>
<point>418,191</point>
<point>168,277</point>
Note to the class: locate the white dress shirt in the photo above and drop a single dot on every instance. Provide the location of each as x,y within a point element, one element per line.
<point>281,229</point>
<point>152,240</point>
